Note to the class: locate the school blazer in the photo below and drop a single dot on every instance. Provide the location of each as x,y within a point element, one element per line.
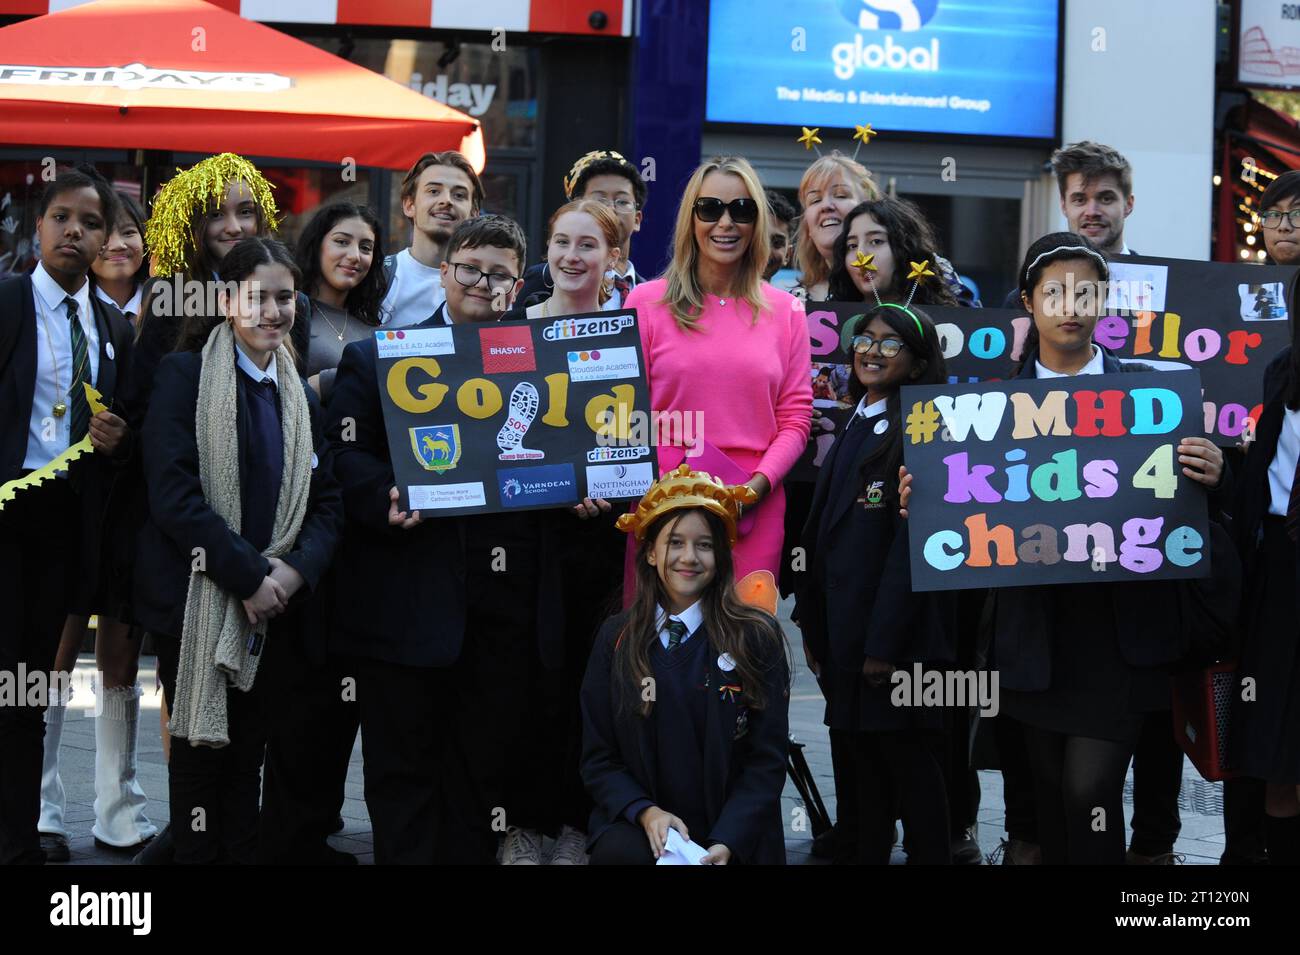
<point>856,599</point>
<point>18,364</point>
<point>181,520</point>
<point>744,752</point>
<point>403,596</point>
<point>1252,498</point>
<point>1154,620</point>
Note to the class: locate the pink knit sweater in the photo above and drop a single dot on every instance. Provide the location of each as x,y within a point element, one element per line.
<point>751,380</point>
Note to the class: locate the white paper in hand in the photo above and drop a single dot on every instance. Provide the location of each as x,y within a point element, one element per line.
<point>679,851</point>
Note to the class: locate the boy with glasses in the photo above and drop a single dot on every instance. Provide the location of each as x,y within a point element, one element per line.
<point>455,622</point>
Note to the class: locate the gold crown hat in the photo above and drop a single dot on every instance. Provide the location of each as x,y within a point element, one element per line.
<point>683,488</point>
<point>168,233</point>
<point>571,180</point>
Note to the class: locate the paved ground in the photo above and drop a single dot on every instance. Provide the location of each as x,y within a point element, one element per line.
<point>1201,841</point>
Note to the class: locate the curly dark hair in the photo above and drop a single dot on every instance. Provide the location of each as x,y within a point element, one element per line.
<point>366,296</point>
<point>911,239</point>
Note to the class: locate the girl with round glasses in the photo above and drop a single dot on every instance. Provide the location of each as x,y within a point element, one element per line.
<point>855,606</point>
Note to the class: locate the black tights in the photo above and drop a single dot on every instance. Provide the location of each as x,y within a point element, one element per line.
<point>1079,790</point>
<point>901,769</point>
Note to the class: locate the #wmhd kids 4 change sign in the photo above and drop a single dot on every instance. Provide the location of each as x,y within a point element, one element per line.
<point>965,67</point>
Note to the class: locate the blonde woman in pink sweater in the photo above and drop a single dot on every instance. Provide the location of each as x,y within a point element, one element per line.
<point>727,350</point>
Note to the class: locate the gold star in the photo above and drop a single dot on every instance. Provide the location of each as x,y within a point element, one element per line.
<point>864,133</point>
<point>863,263</point>
<point>809,137</point>
<point>920,270</point>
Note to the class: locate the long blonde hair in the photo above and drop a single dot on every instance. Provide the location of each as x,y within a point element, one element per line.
<point>605,221</point>
<point>683,294</point>
<point>812,267</point>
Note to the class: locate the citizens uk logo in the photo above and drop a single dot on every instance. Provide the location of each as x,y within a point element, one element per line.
<point>905,15</point>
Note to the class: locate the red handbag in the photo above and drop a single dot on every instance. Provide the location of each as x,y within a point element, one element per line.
<point>1203,717</point>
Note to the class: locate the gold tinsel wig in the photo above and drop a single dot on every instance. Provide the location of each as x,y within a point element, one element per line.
<point>169,231</point>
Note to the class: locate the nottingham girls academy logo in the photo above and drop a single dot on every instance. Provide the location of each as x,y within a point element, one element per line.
<point>906,16</point>
<point>137,76</point>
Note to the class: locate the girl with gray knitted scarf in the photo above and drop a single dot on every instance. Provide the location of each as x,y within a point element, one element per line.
<point>244,516</point>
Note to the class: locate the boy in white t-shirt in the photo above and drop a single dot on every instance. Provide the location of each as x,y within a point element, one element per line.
<point>441,191</point>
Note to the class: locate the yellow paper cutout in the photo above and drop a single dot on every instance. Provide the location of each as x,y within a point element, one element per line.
<point>920,270</point>
<point>59,464</point>
<point>809,137</point>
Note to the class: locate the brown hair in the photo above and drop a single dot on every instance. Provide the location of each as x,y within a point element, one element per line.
<point>605,220</point>
<point>448,157</point>
<point>1092,161</point>
<point>750,636</point>
<point>500,232</point>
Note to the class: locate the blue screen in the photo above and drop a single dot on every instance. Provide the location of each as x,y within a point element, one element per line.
<point>966,67</point>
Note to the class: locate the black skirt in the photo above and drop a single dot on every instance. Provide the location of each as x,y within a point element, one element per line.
<point>1265,740</point>
<point>1094,691</point>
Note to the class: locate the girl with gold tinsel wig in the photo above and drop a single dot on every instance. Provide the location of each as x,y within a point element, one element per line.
<point>196,218</point>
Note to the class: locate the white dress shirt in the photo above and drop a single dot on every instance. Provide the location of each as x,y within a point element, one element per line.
<point>245,364</point>
<point>869,411</point>
<point>131,309</point>
<point>1281,471</point>
<point>1096,366</point>
<point>692,616</point>
<point>54,361</point>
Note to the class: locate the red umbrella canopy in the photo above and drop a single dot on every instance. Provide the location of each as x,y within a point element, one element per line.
<point>187,76</point>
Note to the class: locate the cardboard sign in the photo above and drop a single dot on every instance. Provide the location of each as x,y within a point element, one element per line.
<point>1226,320</point>
<point>1054,480</point>
<point>509,416</point>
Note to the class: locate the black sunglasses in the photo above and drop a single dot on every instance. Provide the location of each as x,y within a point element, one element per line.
<point>710,209</point>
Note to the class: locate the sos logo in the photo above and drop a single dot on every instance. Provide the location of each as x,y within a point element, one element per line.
<point>905,15</point>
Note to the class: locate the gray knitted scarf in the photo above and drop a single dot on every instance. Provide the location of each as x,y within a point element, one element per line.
<point>215,635</point>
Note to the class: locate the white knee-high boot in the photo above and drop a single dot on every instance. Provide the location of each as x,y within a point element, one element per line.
<point>53,799</point>
<point>119,800</point>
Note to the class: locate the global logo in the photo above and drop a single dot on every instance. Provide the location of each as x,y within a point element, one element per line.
<point>905,15</point>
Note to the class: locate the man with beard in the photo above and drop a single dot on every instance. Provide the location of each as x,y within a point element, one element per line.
<point>440,192</point>
<point>1096,185</point>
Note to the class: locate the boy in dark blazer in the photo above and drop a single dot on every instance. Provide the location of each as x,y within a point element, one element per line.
<point>443,644</point>
<point>55,337</point>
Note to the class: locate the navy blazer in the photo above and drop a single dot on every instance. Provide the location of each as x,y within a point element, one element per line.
<point>181,520</point>
<point>18,364</point>
<point>416,577</point>
<point>856,599</point>
<point>1154,620</point>
<point>744,751</point>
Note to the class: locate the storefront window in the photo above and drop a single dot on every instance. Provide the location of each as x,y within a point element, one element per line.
<point>498,88</point>
<point>299,192</point>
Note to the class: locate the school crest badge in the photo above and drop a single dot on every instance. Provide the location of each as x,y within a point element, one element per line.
<point>436,447</point>
<point>874,495</point>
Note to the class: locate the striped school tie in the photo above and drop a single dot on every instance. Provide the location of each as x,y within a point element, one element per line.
<point>676,634</point>
<point>77,401</point>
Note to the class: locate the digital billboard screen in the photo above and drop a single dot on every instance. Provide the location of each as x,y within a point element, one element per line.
<point>949,67</point>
